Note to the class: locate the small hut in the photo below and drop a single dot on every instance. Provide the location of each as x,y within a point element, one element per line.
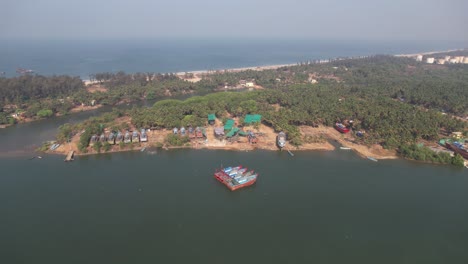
<point>211,119</point>
<point>143,135</point>
<point>198,132</point>
<point>111,138</point>
<point>175,131</point>
<point>127,137</point>
<point>94,139</point>
<point>135,136</point>
<point>219,132</point>
<point>119,137</point>
<point>182,131</point>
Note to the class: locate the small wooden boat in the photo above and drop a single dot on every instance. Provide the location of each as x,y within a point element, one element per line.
<point>371,158</point>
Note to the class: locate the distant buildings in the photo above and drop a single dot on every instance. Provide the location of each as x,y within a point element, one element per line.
<point>442,60</point>
<point>249,84</point>
<point>244,83</point>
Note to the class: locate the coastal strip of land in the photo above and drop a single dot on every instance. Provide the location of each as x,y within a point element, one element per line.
<point>266,141</point>
<point>197,74</point>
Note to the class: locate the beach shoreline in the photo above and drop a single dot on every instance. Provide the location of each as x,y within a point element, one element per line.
<point>427,53</point>
<point>277,66</point>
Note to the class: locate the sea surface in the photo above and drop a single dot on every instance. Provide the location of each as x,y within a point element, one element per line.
<point>85,57</point>
<point>165,206</point>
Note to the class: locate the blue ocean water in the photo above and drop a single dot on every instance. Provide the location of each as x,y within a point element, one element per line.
<point>84,57</point>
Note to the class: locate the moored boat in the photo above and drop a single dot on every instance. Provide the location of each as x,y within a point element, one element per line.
<point>54,147</point>
<point>371,158</point>
<point>345,148</point>
<point>235,177</point>
<point>281,139</point>
<point>342,128</point>
<point>457,148</point>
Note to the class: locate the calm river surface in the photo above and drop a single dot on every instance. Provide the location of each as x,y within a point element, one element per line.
<point>166,207</point>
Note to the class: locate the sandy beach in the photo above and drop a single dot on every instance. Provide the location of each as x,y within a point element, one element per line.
<point>426,53</point>
<point>197,74</point>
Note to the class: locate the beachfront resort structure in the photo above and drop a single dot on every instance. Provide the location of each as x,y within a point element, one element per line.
<point>442,60</point>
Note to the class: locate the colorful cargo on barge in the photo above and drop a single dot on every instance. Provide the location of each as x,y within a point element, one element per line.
<point>236,177</point>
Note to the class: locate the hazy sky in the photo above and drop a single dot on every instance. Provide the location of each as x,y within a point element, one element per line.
<point>318,19</point>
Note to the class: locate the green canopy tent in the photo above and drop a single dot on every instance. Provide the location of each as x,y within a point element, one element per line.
<point>229,124</point>
<point>250,119</point>
<point>233,131</point>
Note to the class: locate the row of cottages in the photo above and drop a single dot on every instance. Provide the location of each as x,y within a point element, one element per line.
<point>198,132</point>
<point>115,138</point>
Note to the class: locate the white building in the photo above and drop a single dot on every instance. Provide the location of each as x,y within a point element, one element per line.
<point>249,84</point>
<point>430,60</point>
<point>465,60</point>
<point>440,61</point>
<point>453,61</point>
<point>459,59</point>
<point>419,58</point>
<point>447,58</point>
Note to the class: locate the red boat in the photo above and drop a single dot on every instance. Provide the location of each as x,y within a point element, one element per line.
<point>462,152</point>
<point>340,127</point>
<point>235,178</point>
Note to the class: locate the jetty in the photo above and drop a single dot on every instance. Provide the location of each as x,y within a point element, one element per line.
<point>70,155</point>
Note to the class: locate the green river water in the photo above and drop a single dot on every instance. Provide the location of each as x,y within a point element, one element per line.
<point>166,207</point>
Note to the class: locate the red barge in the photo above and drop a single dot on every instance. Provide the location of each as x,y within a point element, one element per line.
<point>235,177</point>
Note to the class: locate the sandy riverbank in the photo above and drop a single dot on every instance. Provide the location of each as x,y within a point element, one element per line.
<point>266,141</point>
